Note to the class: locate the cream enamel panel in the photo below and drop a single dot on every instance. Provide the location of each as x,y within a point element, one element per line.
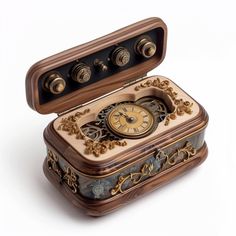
<point>127,94</point>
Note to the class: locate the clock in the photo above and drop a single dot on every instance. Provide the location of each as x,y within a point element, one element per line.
<point>112,121</point>
<point>130,120</point>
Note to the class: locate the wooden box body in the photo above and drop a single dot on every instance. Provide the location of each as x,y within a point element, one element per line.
<point>101,176</point>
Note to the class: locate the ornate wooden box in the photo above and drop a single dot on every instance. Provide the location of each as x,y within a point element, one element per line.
<point>118,134</point>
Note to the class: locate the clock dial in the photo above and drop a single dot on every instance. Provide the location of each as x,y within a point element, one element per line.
<point>130,120</point>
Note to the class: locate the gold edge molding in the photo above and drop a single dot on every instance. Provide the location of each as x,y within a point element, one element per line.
<point>147,169</point>
<point>96,148</point>
<point>181,107</point>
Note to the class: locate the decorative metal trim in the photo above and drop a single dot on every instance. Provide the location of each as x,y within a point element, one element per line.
<point>71,179</point>
<point>52,162</point>
<point>91,146</point>
<point>71,127</point>
<point>181,106</point>
<point>100,147</point>
<point>155,164</point>
<point>164,161</point>
<point>67,176</point>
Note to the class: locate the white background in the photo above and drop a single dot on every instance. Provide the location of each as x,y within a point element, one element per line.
<point>200,58</point>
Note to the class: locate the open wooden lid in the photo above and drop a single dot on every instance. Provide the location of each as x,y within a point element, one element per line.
<point>101,81</point>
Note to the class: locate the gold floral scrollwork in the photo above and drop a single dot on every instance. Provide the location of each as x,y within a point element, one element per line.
<point>181,154</point>
<point>52,162</point>
<point>91,146</point>
<point>97,148</point>
<point>71,179</point>
<point>163,161</point>
<point>181,106</point>
<point>70,126</point>
<point>135,178</point>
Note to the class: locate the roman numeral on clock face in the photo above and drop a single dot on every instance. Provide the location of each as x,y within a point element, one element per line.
<point>135,130</point>
<point>122,127</point>
<point>124,109</point>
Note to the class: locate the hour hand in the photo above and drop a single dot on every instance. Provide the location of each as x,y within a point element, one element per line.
<point>123,114</point>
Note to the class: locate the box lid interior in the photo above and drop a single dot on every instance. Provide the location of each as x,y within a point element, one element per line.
<point>101,82</point>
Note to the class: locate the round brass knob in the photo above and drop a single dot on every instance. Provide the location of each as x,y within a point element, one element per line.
<point>81,73</point>
<point>120,56</point>
<point>146,47</point>
<point>55,84</point>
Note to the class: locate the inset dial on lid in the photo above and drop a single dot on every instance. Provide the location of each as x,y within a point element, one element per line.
<point>130,120</point>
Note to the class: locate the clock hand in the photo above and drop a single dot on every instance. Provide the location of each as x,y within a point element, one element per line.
<point>129,119</point>
<point>123,114</point>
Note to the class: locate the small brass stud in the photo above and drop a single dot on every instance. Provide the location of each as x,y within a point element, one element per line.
<point>120,56</point>
<point>100,65</point>
<point>55,83</point>
<point>81,73</point>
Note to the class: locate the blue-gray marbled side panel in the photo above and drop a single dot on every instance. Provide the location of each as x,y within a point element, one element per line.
<point>95,188</point>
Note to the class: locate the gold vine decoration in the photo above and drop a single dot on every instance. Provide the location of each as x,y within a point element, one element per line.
<point>148,170</point>
<point>71,179</point>
<point>182,106</point>
<point>52,162</point>
<point>68,176</point>
<point>96,148</point>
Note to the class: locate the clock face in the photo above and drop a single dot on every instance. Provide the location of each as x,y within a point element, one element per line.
<point>130,121</point>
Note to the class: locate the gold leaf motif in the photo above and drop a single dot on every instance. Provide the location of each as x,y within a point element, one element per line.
<point>68,176</point>
<point>147,169</point>
<point>52,162</point>
<point>181,106</point>
<point>97,148</point>
<point>71,127</point>
<point>71,179</point>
